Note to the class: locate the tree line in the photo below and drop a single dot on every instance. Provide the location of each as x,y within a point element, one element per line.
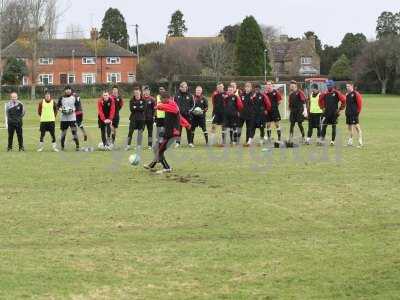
<point>242,51</point>
<point>373,65</point>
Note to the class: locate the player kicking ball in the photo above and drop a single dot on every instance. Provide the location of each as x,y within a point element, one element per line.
<point>173,122</point>
<point>47,110</point>
<point>353,110</point>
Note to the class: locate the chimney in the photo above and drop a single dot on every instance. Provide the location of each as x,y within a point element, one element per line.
<point>312,40</point>
<point>94,34</point>
<point>284,38</point>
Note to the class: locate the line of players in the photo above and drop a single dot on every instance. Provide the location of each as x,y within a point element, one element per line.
<point>232,109</point>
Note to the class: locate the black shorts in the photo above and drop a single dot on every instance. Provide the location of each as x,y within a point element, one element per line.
<point>329,119</point>
<point>260,121</point>
<point>314,120</point>
<point>199,121</point>
<point>218,118</point>
<point>296,117</point>
<point>160,122</point>
<point>64,125</point>
<point>137,125</point>
<point>352,119</point>
<point>47,126</point>
<point>231,121</point>
<point>79,121</point>
<point>274,115</point>
<point>115,122</point>
<point>102,124</point>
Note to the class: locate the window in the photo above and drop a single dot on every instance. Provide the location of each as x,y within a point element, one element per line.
<point>131,78</point>
<point>113,77</point>
<point>25,80</point>
<point>71,78</point>
<point>88,60</point>
<point>46,79</point>
<point>306,60</point>
<point>46,61</point>
<point>89,78</point>
<point>113,60</point>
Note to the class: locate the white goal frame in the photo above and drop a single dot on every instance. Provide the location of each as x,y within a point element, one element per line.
<point>283,87</point>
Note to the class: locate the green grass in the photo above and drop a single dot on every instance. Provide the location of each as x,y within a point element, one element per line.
<point>241,226</point>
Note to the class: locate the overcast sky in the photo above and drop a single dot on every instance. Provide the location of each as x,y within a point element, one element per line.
<point>329,19</point>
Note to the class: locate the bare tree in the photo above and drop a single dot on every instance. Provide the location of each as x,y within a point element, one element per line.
<point>382,57</point>
<point>167,64</point>
<point>270,33</point>
<point>37,19</point>
<point>218,57</point>
<point>13,21</point>
<point>50,20</point>
<point>74,31</point>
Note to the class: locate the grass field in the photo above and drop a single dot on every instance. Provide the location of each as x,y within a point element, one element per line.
<point>240,224</point>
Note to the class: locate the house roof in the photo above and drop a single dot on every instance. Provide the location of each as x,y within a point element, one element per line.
<point>64,48</point>
<point>193,42</point>
<point>282,51</point>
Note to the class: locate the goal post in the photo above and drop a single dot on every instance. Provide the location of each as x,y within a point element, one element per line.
<point>284,110</point>
<point>284,107</point>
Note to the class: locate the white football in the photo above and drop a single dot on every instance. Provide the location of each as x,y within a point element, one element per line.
<point>100,146</point>
<point>198,111</point>
<point>134,159</point>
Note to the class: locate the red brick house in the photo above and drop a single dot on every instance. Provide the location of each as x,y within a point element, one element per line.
<point>83,61</point>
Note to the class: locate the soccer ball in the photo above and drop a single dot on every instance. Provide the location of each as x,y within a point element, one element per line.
<point>87,149</point>
<point>100,146</point>
<point>198,111</point>
<point>134,159</point>
<point>66,110</point>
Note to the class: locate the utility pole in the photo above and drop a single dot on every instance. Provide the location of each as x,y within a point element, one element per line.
<point>73,66</point>
<point>137,42</point>
<point>265,65</point>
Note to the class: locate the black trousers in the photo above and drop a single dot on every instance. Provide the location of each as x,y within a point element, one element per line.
<point>300,125</point>
<point>104,129</point>
<point>189,135</point>
<point>323,132</point>
<point>250,129</point>
<point>12,129</point>
<point>160,154</point>
<point>52,134</point>
<point>149,127</point>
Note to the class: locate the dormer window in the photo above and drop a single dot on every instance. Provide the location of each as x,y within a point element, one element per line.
<point>113,60</point>
<point>46,61</point>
